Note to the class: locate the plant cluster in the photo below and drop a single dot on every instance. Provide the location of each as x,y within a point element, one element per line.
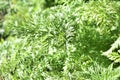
<point>59,40</point>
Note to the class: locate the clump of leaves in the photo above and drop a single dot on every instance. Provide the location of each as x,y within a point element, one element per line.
<point>114,52</point>
<point>3,11</point>
<point>58,42</point>
<point>98,72</point>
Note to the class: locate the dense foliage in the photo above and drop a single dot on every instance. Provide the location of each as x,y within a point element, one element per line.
<point>59,40</point>
<point>114,52</point>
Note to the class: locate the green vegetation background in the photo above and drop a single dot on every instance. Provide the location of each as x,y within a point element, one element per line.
<point>59,39</point>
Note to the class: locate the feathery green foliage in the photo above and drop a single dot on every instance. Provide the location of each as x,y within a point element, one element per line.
<point>59,40</point>
<point>114,52</point>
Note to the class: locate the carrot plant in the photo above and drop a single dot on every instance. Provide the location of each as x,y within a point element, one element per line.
<point>63,41</point>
